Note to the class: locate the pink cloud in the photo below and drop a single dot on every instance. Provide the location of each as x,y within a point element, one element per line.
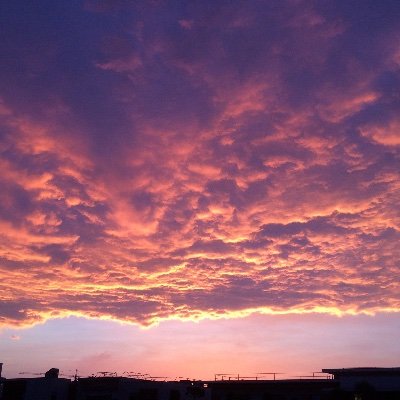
<point>206,169</point>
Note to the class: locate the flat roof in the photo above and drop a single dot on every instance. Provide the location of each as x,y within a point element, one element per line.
<point>363,371</point>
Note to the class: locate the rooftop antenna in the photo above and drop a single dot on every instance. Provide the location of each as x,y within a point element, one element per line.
<point>31,373</point>
<point>269,373</point>
<point>75,376</point>
<point>223,376</point>
<point>130,374</point>
<point>164,378</point>
<point>107,373</point>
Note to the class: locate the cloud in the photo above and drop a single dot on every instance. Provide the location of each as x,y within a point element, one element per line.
<point>199,161</point>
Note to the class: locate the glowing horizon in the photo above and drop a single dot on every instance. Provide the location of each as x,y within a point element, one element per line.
<point>294,345</point>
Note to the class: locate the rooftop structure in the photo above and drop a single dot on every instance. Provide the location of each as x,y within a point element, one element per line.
<point>362,371</point>
<point>344,384</point>
<point>378,379</point>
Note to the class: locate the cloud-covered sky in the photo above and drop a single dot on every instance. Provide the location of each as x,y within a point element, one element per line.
<point>189,160</point>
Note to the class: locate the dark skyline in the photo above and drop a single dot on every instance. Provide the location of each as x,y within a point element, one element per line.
<point>222,173</point>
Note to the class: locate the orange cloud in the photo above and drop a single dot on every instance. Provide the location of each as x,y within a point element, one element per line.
<point>203,170</point>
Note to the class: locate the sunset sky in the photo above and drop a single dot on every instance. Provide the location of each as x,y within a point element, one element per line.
<point>199,187</point>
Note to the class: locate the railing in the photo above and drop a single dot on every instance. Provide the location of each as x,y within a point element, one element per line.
<point>259,376</point>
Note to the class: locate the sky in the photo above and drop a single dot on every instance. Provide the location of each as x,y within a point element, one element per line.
<point>190,188</point>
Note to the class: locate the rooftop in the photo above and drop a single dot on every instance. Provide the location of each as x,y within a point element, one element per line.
<point>363,371</point>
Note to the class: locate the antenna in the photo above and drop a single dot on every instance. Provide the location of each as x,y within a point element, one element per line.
<point>164,378</point>
<point>107,373</point>
<point>257,376</point>
<point>223,376</point>
<point>75,376</point>
<point>32,373</point>
<point>269,373</point>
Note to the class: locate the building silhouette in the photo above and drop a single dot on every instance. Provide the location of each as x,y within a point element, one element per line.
<point>340,384</point>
